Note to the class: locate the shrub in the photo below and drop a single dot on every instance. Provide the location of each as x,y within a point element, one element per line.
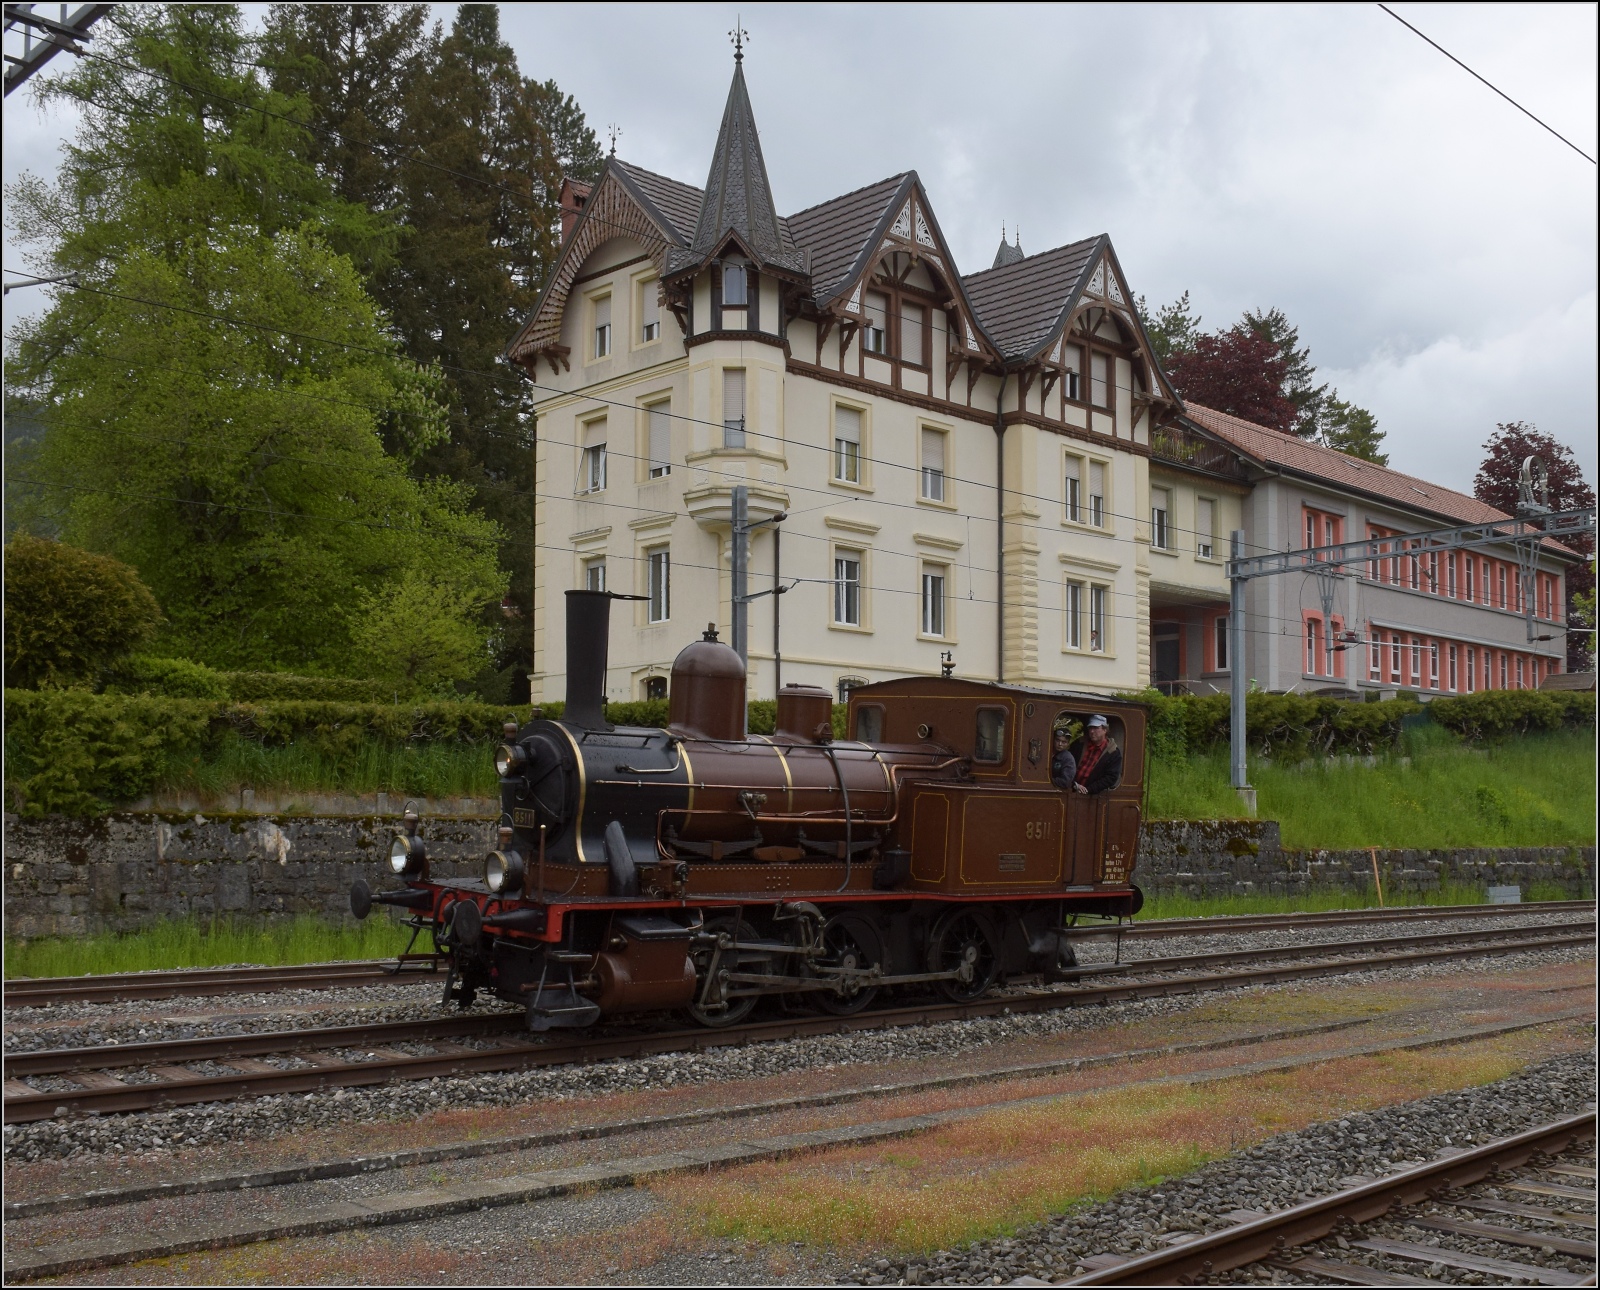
<point>1493,715</point>
<point>176,678</point>
<point>69,613</point>
<point>261,687</point>
<point>1282,726</point>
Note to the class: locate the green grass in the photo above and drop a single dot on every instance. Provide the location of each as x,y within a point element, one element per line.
<point>1436,793</point>
<point>191,943</point>
<point>1323,899</point>
<point>421,769</point>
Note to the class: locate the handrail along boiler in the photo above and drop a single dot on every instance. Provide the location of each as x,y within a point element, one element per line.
<point>698,867</point>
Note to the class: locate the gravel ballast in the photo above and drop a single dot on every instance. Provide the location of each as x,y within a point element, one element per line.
<point>270,1117</point>
<point>1274,1175</point>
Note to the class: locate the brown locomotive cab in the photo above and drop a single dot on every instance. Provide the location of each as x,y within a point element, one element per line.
<point>1005,828</point>
<point>704,868</point>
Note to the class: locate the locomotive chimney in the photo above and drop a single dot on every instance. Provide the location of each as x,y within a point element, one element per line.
<point>588,640</point>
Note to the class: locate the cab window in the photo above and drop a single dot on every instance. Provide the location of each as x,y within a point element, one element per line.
<point>990,745</point>
<point>869,723</point>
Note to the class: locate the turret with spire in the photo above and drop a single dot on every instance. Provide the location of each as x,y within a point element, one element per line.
<point>1008,254</point>
<point>738,203</point>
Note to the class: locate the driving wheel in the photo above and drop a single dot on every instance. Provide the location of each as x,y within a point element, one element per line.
<point>961,943</point>
<point>711,1007</point>
<point>851,942</point>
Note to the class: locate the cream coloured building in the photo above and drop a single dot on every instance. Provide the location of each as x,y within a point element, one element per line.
<point>963,462</point>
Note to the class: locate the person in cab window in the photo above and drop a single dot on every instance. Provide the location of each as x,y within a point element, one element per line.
<point>1063,765</point>
<point>1099,760</point>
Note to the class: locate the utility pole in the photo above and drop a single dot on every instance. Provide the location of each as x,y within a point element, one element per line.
<point>1236,676</point>
<point>742,596</point>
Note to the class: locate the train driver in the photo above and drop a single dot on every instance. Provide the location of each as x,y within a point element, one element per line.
<point>1063,765</point>
<point>1099,760</point>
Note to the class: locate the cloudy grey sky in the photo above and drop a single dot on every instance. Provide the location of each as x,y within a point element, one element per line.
<point>1436,247</point>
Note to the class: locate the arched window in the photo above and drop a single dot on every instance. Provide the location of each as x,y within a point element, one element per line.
<point>848,683</point>
<point>655,687</point>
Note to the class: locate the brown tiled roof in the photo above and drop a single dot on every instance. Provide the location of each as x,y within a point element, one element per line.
<point>838,233</point>
<point>1291,453</point>
<point>675,204</point>
<point>1020,304</point>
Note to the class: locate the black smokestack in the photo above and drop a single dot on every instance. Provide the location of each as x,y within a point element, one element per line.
<point>588,639</point>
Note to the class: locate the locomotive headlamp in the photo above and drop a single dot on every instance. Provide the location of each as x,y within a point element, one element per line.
<point>503,872</point>
<point>509,759</point>
<point>406,854</point>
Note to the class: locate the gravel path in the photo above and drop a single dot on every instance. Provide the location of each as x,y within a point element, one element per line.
<point>274,1116</point>
<point>1274,1175</point>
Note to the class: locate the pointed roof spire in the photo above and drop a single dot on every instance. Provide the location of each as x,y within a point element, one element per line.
<point>1007,254</point>
<point>738,197</point>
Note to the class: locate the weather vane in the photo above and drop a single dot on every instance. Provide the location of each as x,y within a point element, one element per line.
<point>738,36</point>
<point>614,131</point>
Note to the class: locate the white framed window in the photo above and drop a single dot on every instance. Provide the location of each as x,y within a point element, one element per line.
<point>1504,685</point>
<point>735,286</point>
<point>733,407</point>
<point>933,445</point>
<point>1471,575</point>
<point>1205,526</point>
<point>1519,671</point>
<point>1072,379</point>
<point>1073,605</point>
<point>658,584</point>
<point>847,588</point>
<point>1450,578</point>
<point>1396,662</point>
<point>846,444</point>
<point>913,328</point>
<point>933,584</point>
<point>592,471</point>
<point>1472,670</point>
<point>1455,666</point>
<point>1433,572</point>
<point>1100,380</point>
<point>1433,665</point>
<point>658,430</point>
<point>1097,494</point>
<point>602,327</point>
<point>875,335</point>
<point>1416,661</point>
<point>1375,657</point>
<point>594,574</point>
<point>1072,491</point>
<point>1098,598</point>
<point>1160,518</point>
<point>649,311</point>
<point>1313,647</point>
<point>1502,590</point>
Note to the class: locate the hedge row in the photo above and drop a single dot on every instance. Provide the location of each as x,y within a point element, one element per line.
<point>179,678</point>
<point>75,752</point>
<point>1291,727</point>
<point>78,753</point>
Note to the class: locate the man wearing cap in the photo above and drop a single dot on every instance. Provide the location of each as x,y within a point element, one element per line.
<point>1099,760</point>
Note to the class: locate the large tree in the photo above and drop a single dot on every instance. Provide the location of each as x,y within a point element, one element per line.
<point>1498,483</point>
<point>217,388</point>
<point>444,130</point>
<point>1237,372</point>
<point>1227,369</point>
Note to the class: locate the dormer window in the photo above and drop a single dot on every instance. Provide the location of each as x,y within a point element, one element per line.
<point>875,335</point>
<point>602,327</point>
<point>1072,378</point>
<point>735,289</point>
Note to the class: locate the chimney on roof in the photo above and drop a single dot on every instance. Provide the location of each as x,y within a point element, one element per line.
<point>574,196</point>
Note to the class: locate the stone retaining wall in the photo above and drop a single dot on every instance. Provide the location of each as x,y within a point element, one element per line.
<point>67,877</point>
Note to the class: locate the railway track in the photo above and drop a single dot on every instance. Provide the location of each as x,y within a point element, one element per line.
<point>119,987</point>
<point>26,992</point>
<point>136,1077</point>
<point>1445,1197</point>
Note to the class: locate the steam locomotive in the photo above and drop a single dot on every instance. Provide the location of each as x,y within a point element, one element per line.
<point>703,869</point>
